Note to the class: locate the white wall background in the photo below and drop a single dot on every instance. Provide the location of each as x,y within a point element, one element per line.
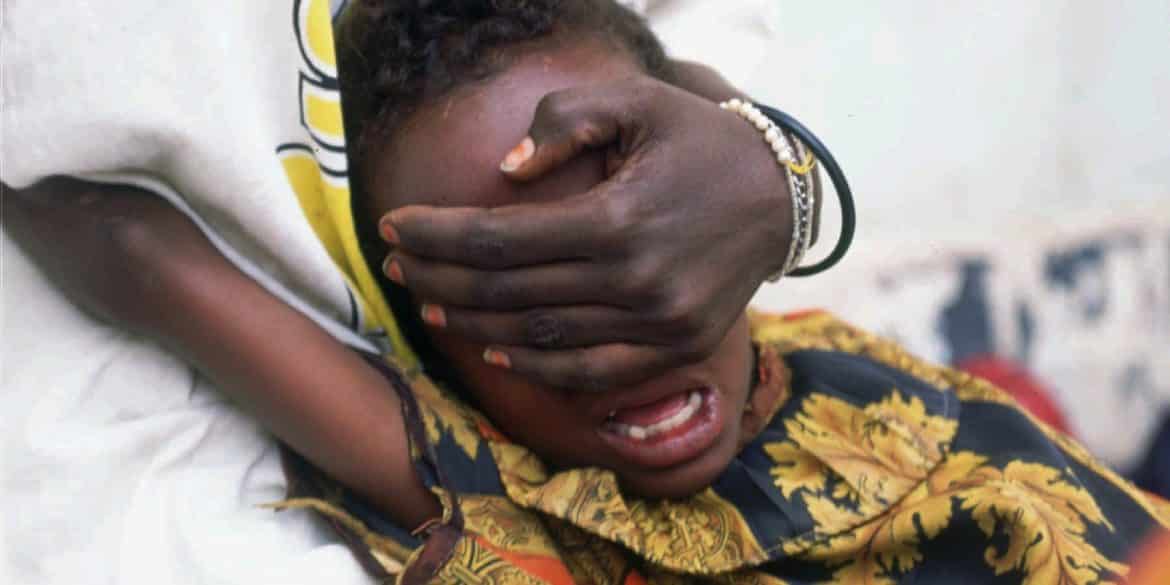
<point>952,118</point>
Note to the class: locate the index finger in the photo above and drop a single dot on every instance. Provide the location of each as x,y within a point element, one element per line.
<point>590,369</point>
<point>502,237</point>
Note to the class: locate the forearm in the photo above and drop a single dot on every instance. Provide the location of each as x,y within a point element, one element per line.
<point>318,396</point>
<point>132,259</point>
<point>81,236</point>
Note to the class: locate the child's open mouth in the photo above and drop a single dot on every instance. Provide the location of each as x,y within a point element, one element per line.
<point>666,432</point>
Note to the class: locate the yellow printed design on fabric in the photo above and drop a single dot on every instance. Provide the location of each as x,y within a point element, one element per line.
<point>702,535</point>
<point>834,454</point>
<point>880,452</point>
<point>317,170</point>
<point>1043,516</point>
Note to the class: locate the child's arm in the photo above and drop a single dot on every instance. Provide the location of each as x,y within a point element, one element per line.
<point>134,260</point>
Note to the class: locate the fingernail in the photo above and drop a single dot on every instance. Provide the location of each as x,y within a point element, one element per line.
<point>434,315</point>
<point>518,155</point>
<point>497,358</point>
<point>389,233</point>
<point>393,271</point>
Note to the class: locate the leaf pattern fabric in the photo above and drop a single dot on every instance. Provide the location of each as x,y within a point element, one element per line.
<point>874,468</point>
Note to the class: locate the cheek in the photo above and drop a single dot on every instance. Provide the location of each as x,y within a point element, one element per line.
<point>504,397</point>
<point>467,359</point>
<point>545,421</point>
<point>732,361</point>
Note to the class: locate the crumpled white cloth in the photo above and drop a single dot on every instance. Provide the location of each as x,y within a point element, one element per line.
<point>121,465</point>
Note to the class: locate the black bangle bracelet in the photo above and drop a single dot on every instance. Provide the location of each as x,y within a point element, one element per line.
<point>840,185</point>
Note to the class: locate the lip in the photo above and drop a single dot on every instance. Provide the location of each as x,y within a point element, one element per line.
<point>677,446</point>
<point>645,393</point>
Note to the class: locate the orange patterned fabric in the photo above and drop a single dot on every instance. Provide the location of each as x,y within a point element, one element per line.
<point>870,466</point>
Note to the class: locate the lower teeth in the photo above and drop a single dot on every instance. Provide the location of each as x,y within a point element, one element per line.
<point>639,433</point>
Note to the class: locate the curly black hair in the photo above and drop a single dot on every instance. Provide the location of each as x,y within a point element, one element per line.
<point>395,54</point>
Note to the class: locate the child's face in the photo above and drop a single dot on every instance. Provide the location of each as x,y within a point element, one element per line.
<point>669,436</point>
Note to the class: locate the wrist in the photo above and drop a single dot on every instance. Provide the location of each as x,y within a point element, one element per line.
<point>798,168</point>
<point>771,203</point>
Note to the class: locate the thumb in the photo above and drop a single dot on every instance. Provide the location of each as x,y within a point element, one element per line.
<point>565,123</point>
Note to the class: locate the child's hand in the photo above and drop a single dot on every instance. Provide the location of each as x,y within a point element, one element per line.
<point>660,259</point>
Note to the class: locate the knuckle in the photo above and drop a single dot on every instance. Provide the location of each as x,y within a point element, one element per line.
<point>563,116</point>
<point>677,313</point>
<point>555,107</point>
<point>588,373</point>
<point>619,223</point>
<point>639,283</point>
<point>543,330</point>
<point>482,243</point>
<point>586,131</point>
<point>492,291</point>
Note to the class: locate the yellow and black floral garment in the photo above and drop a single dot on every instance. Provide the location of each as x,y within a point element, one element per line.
<point>869,466</point>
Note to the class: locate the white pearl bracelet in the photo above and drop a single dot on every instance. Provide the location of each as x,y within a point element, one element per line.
<point>798,165</point>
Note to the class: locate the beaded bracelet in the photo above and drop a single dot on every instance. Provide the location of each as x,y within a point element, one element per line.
<point>788,151</point>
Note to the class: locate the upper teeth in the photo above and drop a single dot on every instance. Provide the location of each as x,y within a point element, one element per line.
<point>639,433</point>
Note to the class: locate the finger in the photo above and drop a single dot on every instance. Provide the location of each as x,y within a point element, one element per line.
<point>543,328</point>
<point>589,369</point>
<point>565,123</point>
<point>456,285</point>
<point>578,227</point>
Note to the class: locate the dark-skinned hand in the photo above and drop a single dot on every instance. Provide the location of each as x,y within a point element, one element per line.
<point>645,272</point>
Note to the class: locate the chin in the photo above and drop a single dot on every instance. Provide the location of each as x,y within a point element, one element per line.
<point>683,480</point>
